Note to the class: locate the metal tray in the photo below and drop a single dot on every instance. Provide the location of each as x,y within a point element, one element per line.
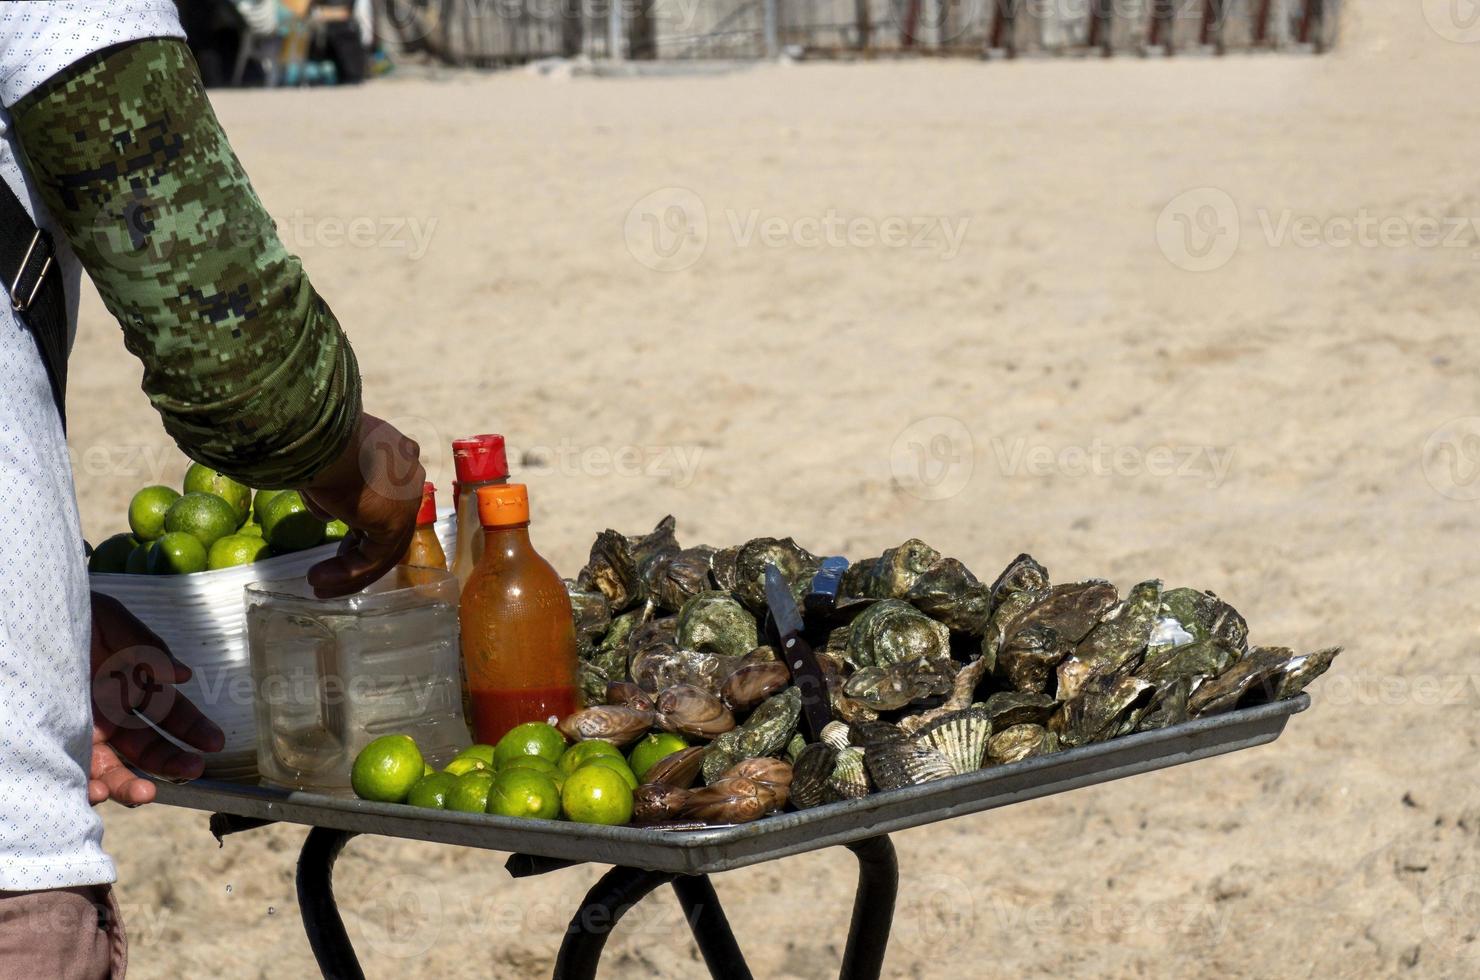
<point>717,849</point>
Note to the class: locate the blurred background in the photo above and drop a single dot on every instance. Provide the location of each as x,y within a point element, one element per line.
<point>860,272</point>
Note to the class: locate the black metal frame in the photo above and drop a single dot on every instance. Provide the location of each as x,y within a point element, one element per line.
<point>608,900</point>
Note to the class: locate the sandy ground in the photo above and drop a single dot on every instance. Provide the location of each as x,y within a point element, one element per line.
<point>1015,392</point>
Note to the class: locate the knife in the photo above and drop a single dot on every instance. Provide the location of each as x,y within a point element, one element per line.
<point>806,675</point>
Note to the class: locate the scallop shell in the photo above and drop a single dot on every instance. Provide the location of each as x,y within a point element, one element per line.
<point>900,763</point>
<point>810,774</point>
<point>961,737</point>
<point>849,779</point>
<point>835,733</point>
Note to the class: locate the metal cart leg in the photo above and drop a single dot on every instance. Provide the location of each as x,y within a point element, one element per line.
<point>873,909</point>
<point>326,936</point>
<point>617,891</point>
<point>706,918</point>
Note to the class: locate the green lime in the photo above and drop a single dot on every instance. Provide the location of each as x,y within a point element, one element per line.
<point>582,752</point>
<point>138,559</point>
<point>112,554</point>
<point>204,515</point>
<point>234,550</point>
<point>251,529</point>
<point>177,553</point>
<point>483,753</point>
<point>465,765</point>
<point>261,500</point>
<point>597,794</point>
<point>203,479</point>
<point>470,793</point>
<point>146,511</point>
<point>615,765</point>
<point>426,768</point>
<point>387,769</point>
<point>431,790</point>
<point>335,531</point>
<point>541,765</point>
<point>651,748</point>
<point>288,526</point>
<point>530,738</point>
<point>521,792</point>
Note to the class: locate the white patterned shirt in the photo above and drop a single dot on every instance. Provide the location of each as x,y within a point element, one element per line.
<point>49,836</point>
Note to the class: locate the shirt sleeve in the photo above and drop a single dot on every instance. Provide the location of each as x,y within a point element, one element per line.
<point>243,360</point>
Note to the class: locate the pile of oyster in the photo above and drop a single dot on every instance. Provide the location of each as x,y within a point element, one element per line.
<point>930,672</point>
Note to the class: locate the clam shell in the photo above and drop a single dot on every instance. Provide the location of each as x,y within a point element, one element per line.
<point>773,776</point>
<point>900,763</point>
<point>753,683</point>
<point>810,773</point>
<point>678,769</point>
<point>628,693</point>
<point>735,799</point>
<point>849,779</point>
<point>961,737</point>
<point>1020,742</point>
<point>614,723</point>
<point>692,711</point>
<point>652,802</point>
<point>835,733</point>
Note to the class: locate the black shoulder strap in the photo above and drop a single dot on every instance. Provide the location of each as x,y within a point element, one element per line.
<point>33,281</point>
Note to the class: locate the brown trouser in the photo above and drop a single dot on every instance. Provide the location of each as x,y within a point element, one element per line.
<point>64,933</point>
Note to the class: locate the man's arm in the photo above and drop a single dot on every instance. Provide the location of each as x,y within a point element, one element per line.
<point>244,361</point>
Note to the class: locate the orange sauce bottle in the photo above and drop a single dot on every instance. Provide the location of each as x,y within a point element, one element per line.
<point>425,550</point>
<point>518,633</point>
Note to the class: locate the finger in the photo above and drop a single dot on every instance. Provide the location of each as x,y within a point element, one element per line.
<point>149,750</point>
<point>178,717</point>
<point>362,560</point>
<point>314,508</point>
<point>122,632</point>
<point>112,780</point>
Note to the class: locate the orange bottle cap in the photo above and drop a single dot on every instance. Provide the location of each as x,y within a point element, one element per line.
<point>428,512</point>
<point>503,506</point>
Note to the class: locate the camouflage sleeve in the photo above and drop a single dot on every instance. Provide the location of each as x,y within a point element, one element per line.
<point>243,360</point>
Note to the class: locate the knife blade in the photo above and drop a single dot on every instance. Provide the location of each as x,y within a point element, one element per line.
<point>796,653</point>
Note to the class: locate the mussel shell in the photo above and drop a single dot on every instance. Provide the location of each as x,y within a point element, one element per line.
<point>751,684</point>
<point>1009,708</point>
<point>890,631</point>
<point>734,799</point>
<point>716,622</point>
<point>654,802</point>
<point>628,693</point>
<point>905,762</point>
<point>773,776</point>
<point>679,769</point>
<point>692,711</point>
<point>1020,742</point>
<point>614,723</point>
<point>961,737</point>
<point>810,773</point>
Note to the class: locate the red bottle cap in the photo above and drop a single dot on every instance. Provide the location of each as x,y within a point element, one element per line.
<point>428,512</point>
<point>479,459</point>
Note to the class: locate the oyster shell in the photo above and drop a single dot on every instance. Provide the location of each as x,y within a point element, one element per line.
<point>866,733</point>
<point>653,802</point>
<point>1102,704</point>
<point>765,732</point>
<point>961,737</point>
<point>897,763</point>
<point>591,681</point>
<point>849,779</point>
<point>1299,671</point>
<point>692,711</point>
<point>611,570</point>
<point>1008,708</point>
<point>1199,616</point>
<point>716,622</point>
<point>856,577</point>
<point>1168,705</point>
<point>614,723</point>
<point>1022,574</point>
<point>678,769</point>
<point>673,579</point>
<point>592,613</point>
<point>810,774</point>
<point>1020,742</point>
<point>795,563</point>
<point>660,666</point>
<point>1252,680</point>
<point>899,684</point>
<point>892,574</point>
<point>1198,659</point>
<point>734,799</point>
<point>750,684</point>
<point>949,593</point>
<point>1117,642</point>
<point>963,693</point>
<point>891,631</point>
<point>773,776</point>
<point>795,746</point>
<point>1029,660</point>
